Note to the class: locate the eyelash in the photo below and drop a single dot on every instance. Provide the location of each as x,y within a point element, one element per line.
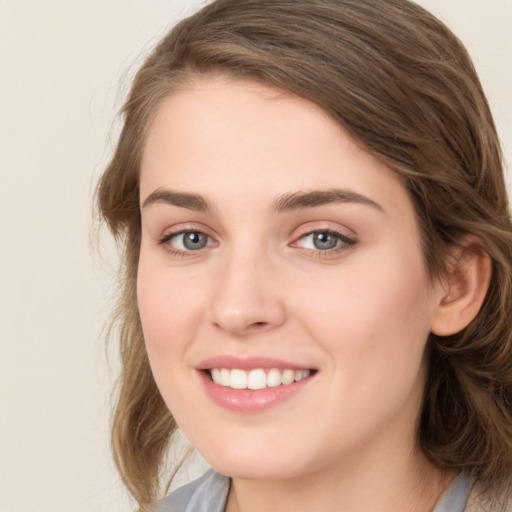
<point>164,241</point>
<point>344,243</point>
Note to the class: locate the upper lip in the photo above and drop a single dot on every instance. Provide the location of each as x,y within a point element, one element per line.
<point>248,363</point>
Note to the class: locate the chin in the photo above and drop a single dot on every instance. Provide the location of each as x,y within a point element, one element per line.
<point>253,464</point>
<point>252,470</point>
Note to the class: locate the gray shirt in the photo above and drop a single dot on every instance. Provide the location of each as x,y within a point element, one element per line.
<point>209,493</point>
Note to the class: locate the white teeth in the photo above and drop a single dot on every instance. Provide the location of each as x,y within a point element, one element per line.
<point>225,377</point>
<point>238,379</point>
<point>216,375</point>
<point>287,377</point>
<point>273,378</point>
<point>256,379</point>
<point>301,374</point>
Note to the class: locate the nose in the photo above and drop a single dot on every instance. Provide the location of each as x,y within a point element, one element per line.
<point>246,298</point>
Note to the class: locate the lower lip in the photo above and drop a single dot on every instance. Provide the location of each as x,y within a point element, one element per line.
<point>249,400</point>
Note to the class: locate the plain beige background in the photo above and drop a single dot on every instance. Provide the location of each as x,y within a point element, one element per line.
<point>64,66</point>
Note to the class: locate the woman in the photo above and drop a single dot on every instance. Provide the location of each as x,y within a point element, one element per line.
<point>317,264</point>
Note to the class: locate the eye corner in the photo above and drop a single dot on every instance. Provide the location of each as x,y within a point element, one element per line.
<point>323,243</point>
<point>186,242</point>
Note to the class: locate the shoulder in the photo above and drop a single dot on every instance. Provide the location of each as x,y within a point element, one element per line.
<point>466,495</point>
<point>480,502</point>
<point>206,494</point>
<point>456,496</point>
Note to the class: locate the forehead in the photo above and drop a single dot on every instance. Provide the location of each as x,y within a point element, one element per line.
<point>225,137</point>
<point>214,111</point>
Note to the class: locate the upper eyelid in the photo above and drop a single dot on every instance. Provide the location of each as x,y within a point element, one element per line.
<point>324,230</point>
<point>188,227</point>
<point>343,237</point>
<point>165,242</point>
<point>322,227</point>
<point>304,230</point>
<point>168,236</point>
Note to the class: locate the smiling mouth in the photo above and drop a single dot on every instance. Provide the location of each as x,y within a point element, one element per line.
<point>258,378</point>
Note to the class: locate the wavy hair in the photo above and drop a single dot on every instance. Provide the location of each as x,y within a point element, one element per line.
<point>403,86</point>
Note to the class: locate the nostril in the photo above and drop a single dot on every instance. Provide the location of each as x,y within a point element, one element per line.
<point>257,326</point>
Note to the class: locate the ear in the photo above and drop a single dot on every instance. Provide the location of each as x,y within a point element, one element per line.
<point>463,288</point>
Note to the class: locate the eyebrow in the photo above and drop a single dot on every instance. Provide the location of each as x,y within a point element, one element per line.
<point>284,203</point>
<point>181,199</point>
<point>314,198</point>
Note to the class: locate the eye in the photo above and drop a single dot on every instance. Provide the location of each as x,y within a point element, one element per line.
<point>186,241</point>
<point>325,240</point>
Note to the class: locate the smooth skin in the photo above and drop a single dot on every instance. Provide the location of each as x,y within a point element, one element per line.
<point>230,265</point>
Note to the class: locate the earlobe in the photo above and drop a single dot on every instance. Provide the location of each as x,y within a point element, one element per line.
<point>463,288</point>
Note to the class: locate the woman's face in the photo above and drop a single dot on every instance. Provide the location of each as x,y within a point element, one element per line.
<point>275,250</point>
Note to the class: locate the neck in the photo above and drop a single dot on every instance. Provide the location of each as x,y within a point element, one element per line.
<point>387,486</point>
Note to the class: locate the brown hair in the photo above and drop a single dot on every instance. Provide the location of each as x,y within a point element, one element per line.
<point>404,87</point>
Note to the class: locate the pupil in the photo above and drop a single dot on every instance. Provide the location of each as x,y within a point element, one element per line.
<point>194,241</point>
<point>325,241</point>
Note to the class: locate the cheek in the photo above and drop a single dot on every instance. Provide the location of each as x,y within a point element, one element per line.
<point>169,309</point>
<point>372,311</point>
<point>374,325</point>
<point>169,313</point>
